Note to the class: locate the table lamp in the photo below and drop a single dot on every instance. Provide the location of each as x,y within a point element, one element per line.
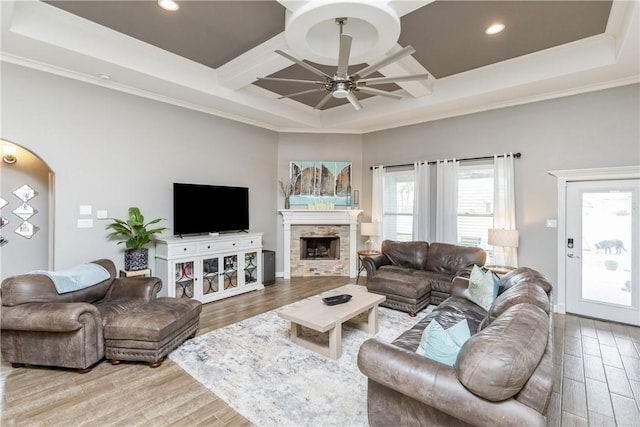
<point>503,238</point>
<point>371,229</point>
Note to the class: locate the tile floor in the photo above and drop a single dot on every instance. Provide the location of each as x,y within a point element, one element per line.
<point>597,366</point>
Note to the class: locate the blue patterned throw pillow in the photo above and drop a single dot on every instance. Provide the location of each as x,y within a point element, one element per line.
<point>483,287</point>
<point>443,345</point>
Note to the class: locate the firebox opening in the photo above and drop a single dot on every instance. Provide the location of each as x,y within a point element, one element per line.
<point>325,247</point>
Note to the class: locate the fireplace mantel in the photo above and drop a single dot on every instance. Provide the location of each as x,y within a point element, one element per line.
<point>319,217</point>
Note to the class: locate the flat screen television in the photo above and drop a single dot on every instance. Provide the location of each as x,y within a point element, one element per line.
<point>200,209</point>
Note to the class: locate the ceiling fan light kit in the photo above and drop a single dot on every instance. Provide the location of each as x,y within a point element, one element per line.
<point>307,35</point>
<point>341,90</point>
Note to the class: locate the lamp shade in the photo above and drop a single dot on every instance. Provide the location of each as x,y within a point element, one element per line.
<point>370,228</point>
<point>504,238</point>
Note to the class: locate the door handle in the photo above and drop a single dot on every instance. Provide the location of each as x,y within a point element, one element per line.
<point>572,256</point>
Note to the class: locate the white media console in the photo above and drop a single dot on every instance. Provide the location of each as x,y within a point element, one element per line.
<point>209,268</point>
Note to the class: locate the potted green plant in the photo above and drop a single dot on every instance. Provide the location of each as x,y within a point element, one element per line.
<point>136,235</point>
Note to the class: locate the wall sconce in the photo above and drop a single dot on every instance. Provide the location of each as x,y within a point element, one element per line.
<point>9,154</point>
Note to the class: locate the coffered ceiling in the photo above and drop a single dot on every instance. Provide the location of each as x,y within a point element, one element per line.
<point>208,55</point>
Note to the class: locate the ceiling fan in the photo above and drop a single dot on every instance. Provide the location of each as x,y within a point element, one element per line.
<point>344,85</point>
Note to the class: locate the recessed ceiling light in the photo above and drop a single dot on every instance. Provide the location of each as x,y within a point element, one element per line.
<point>104,76</point>
<point>494,29</point>
<point>168,5</point>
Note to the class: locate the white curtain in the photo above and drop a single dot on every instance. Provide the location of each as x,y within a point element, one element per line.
<point>504,206</point>
<point>377,192</point>
<point>421,202</point>
<point>447,201</point>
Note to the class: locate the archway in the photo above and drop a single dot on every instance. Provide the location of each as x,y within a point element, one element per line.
<point>26,226</point>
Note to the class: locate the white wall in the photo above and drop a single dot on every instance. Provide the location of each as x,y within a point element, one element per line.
<point>597,129</point>
<point>111,150</point>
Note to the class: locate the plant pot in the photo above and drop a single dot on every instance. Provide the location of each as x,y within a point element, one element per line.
<point>136,259</point>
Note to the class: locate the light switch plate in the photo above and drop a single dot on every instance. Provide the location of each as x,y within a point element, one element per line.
<point>85,209</point>
<point>552,223</point>
<point>102,214</point>
<point>85,223</point>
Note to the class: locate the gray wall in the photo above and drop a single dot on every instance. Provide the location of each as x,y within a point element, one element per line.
<point>301,146</point>
<point>112,150</point>
<point>597,129</point>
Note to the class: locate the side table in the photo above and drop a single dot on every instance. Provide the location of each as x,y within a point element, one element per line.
<point>499,269</point>
<point>361,255</point>
<point>128,273</point>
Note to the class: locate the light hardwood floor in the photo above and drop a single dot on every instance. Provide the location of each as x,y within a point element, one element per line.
<point>597,376</point>
<point>133,394</point>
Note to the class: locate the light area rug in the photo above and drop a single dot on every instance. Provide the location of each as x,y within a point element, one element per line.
<point>254,367</point>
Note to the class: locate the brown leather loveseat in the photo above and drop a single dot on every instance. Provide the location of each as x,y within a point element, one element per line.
<point>43,327</point>
<point>413,275</point>
<point>502,376</point>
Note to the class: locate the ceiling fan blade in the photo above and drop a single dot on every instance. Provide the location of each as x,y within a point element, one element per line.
<point>354,101</point>
<point>280,79</point>
<point>373,91</point>
<point>343,55</point>
<point>301,93</point>
<point>383,80</point>
<point>323,101</point>
<point>301,63</point>
<point>386,61</point>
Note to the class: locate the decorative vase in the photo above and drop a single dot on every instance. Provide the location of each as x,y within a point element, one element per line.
<point>136,259</point>
<point>286,203</point>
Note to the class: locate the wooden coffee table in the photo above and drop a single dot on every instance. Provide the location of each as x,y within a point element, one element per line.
<point>313,313</point>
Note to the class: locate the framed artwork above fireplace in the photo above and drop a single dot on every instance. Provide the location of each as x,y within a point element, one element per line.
<point>320,181</point>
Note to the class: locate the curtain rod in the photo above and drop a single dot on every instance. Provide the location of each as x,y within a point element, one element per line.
<point>468,159</point>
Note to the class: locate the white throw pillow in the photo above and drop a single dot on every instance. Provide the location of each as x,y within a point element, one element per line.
<point>483,287</point>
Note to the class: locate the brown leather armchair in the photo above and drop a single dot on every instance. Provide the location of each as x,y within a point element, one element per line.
<point>42,327</point>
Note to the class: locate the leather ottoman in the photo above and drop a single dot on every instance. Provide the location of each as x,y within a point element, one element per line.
<point>149,332</point>
<point>405,289</point>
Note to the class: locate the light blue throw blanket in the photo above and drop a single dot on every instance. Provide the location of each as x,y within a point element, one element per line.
<point>79,277</point>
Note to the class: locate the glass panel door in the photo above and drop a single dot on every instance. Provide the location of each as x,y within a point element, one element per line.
<point>210,276</point>
<point>250,268</point>
<point>184,279</point>
<point>606,234</point>
<point>230,271</point>
<point>602,264</point>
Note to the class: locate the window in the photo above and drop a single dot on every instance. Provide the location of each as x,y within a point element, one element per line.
<point>475,206</point>
<point>397,222</point>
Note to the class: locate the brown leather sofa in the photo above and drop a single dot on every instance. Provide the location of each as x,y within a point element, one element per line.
<point>503,374</point>
<point>42,327</point>
<point>413,275</point>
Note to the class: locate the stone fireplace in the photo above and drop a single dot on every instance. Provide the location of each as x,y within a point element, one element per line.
<point>320,243</point>
<point>320,247</point>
